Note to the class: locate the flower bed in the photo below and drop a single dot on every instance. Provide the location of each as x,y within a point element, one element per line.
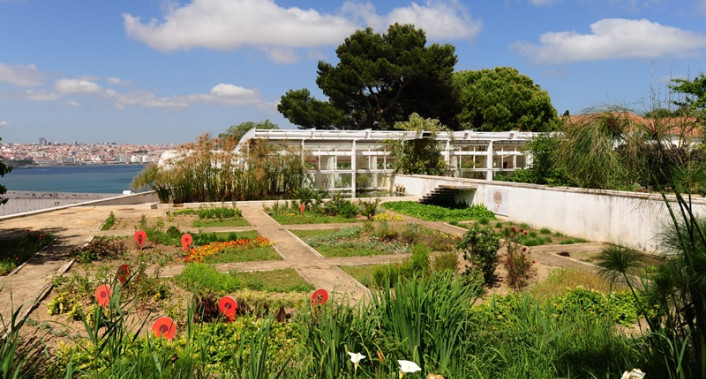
<point>239,250</point>
<point>374,239</point>
<point>17,250</point>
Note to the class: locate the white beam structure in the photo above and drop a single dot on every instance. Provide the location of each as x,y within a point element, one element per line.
<point>359,160</point>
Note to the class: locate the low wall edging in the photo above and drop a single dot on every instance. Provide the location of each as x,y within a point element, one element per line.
<point>132,199</point>
<point>627,218</point>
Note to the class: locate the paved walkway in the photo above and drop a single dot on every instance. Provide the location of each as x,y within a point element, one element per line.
<point>74,226</point>
<point>31,281</point>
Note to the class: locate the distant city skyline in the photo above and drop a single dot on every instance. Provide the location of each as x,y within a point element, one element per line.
<point>166,72</point>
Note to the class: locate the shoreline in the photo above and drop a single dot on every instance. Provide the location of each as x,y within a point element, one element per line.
<point>74,164</point>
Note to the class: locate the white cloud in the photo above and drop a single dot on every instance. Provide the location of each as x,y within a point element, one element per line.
<point>24,76</point>
<point>144,99</point>
<point>439,19</point>
<point>613,38</point>
<point>539,3</point>
<point>222,94</point>
<point>4,124</point>
<point>69,86</point>
<point>230,24</point>
<point>281,54</point>
<point>227,94</point>
<point>117,81</point>
<point>41,95</point>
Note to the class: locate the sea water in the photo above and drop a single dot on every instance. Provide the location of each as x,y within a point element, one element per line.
<point>81,179</point>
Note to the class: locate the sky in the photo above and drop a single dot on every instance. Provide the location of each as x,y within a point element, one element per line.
<point>166,72</point>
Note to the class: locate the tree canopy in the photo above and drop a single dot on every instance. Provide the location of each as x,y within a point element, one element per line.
<point>236,132</point>
<point>421,155</point>
<point>694,92</point>
<point>380,79</point>
<point>4,169</point>
<point>502,99</point>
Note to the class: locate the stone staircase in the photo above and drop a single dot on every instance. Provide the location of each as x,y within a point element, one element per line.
<point>444,195</point>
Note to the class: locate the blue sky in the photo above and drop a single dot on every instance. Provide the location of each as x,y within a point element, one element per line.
<point>159,71</point>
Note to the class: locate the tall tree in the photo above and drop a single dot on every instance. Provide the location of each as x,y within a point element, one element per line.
<point>694,92</point>
<point>503,99</point>
<point>4,169</point>
<point>380,79</point>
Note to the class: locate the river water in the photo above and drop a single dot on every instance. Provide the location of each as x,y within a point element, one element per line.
<point>83,179</point>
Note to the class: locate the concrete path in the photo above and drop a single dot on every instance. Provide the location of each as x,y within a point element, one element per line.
<point>31,281</point>
<point>75,226</point>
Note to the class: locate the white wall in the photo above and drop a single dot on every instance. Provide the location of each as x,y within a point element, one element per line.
<point>25,203</point>
<point>628,218</point>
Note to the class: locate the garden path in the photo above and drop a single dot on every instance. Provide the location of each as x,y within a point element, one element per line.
<point>31,281</point>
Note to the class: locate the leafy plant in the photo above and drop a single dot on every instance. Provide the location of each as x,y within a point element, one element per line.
<point>99,248</point>
<point>109,221</point>
<point>480,248</point>
<point>517,263</point>
<point>369,208</point>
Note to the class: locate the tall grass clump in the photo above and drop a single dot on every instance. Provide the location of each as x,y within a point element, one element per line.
<point>211,170</point>
<point>675,310</point>
<point>425,320</point>
<point>21,356</point>
<point>519,337</point>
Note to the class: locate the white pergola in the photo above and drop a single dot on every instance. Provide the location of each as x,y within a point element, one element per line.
<point>350,160</point>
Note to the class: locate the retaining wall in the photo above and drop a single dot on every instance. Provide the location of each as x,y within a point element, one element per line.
<point>628,218</point>
<point>22,203</point>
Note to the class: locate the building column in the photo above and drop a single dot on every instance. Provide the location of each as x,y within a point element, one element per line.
<point>489,162</point>
<point>353,169</point>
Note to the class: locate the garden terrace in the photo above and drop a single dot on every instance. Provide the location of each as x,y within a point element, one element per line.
<point>165,285</point>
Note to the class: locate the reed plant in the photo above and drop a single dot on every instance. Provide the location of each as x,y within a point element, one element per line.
<point>211,170</point>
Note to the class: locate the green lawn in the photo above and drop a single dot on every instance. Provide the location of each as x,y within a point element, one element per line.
<point>254,254</point>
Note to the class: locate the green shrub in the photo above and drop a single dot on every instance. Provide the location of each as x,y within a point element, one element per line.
<point>109,221</point>
<point>572,240</point>
<point>385,233</point>
<point>445,261</point>
<point>218,212</point>
<point>480,247</point>
<point>517,263</point>
<point>99,248</point>
<point>369,208</point>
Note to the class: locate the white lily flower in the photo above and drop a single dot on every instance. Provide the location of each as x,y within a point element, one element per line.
<point>636,373</point>
<point>408,367</point>
<point>356,358</point>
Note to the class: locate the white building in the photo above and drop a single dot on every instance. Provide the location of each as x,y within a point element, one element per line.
<point>351,160</point>
<point>355,160</point>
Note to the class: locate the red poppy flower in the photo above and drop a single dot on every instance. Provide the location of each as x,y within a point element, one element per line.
<point>102,295</point>
<point>319,297</point>
<point>123,273</point>
<point>140,238</point>
<point>164,327</point>
<point>186,240</point>
<point>228,306</point>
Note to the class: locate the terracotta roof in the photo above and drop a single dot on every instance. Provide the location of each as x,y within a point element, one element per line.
<point>681,126</point>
